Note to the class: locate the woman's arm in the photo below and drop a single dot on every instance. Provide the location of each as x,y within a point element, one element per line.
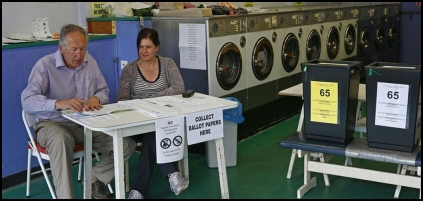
<point>173,77</point>
<point>126,81</point>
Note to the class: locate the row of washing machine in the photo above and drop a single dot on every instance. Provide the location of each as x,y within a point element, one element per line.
<point>252,57</point>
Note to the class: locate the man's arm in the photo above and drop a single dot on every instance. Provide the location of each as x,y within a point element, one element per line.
<point>32,97</point>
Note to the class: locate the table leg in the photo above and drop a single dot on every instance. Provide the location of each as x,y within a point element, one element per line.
<point>119,164</point>
<point>185,169</point>
<point>88,144</point>
<point>221,164</point>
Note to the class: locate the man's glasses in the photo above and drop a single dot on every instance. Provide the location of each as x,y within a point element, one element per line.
<point>74,51</point>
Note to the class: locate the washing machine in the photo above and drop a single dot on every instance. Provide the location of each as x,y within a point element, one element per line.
<point>393,31</point>
<point>366,38</point>
<point>225,41</point>
<point>227,58</point>
<point>262,76</point>
<point>332,28</point>
<point>349,33</point>
<point>312,28</point>
<point>289,29</point>
<point>380,31</point>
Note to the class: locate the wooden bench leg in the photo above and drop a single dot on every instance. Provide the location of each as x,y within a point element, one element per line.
<point>291,163</point>
<point>403,171</point>
<point>348,161</point>
<point>325,176</point>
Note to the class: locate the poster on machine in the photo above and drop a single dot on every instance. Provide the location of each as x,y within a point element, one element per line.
<point>192,46</point>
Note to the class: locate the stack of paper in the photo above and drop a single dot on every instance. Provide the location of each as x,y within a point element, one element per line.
<point>149,108</point>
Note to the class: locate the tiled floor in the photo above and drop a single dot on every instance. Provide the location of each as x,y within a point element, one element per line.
<point>260,173</point>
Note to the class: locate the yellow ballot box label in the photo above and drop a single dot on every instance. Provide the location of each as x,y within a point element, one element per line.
<point>324,102</point>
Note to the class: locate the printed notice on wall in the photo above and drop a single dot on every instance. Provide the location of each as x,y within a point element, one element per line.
<point>170,136</point>
<point>204,126</point>
<point>97,10</point>
<point>192,46</point>
<point>391,105</point>
<point>324,102</point>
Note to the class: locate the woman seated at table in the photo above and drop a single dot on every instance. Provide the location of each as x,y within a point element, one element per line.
<point>151,76</point>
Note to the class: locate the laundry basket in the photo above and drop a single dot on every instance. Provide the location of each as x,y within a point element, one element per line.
<point>231,117</point>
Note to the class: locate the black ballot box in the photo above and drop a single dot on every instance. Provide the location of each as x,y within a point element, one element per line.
<point>392,100</point>
<point>330,92</point>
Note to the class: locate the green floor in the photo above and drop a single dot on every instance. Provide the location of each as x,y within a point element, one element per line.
<point>260,173</point>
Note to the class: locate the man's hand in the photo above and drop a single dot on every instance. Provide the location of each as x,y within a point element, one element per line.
<point>75,104</point>
<point>93,104</point>
<point>78,104</point>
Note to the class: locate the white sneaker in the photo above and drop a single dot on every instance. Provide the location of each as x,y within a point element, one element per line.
<point>134,194</point>
<point>177,183</point>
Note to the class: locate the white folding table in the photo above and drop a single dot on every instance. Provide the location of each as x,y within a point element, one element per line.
<point>131,123</point>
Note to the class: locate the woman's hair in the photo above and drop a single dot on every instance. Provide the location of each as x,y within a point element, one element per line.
<point>68,28</point>
<point>150,34</point>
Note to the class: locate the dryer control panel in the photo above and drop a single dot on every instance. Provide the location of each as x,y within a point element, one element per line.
<point>350,13</point>
<point>312,17</point>
<point>332,15</point>
<point>393,9</point>
<point>269,22</point>
<point>224,27</point>
<point>295,19</point>
<point>254,23</point>
<point>381,11</point>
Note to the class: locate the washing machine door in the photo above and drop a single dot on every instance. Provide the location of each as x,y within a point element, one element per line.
<point>380,38</point>
<point>332,45</point>
<point>364,41</point>
<point>262,59</point>
<point>313,45</point>
<point>290,52</point>
<point>228,66</point>
<point>349,40</point>
<point>392,35</point>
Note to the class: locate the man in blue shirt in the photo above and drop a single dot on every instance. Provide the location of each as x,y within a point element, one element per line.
<point>70,79</point>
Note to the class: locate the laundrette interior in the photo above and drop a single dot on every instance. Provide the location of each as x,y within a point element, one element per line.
<point>250,57</point>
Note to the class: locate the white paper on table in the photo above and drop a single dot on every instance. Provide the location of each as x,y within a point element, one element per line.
<point>166,100</point>
<point>98,119</point>
<point>6,40</point>
<point>40,28</point>
<point>107,109</point>
<point>149,108</point>
<point>198,105</point>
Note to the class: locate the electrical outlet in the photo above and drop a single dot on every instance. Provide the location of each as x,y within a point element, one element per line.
<point>123,63</point>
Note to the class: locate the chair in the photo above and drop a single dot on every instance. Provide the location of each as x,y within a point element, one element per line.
<point>35,149</point>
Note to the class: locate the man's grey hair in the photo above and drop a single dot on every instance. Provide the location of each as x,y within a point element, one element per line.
<point>68,28</point>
